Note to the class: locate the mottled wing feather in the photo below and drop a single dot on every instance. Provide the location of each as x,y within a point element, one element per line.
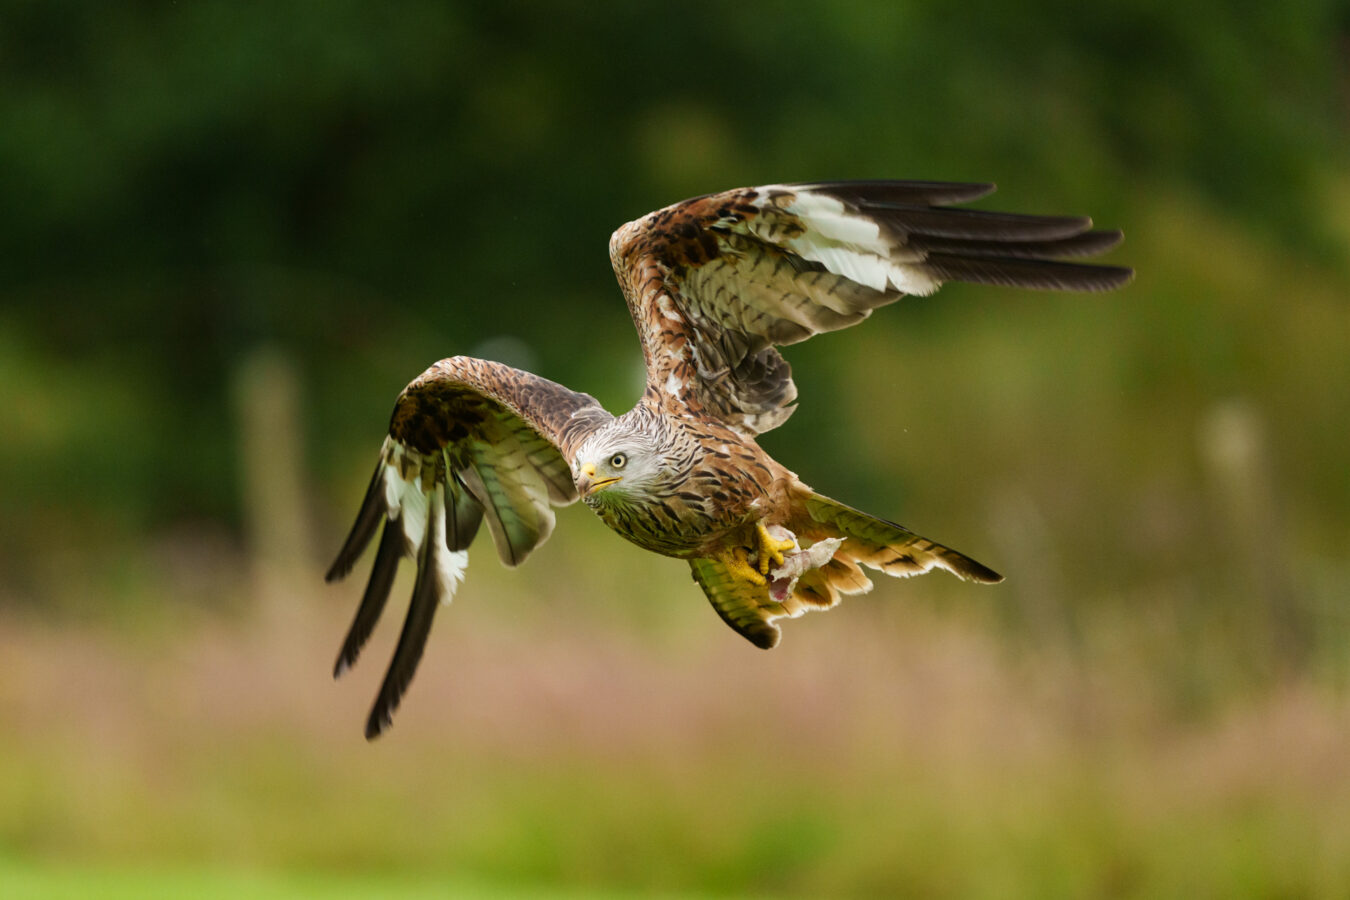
<point>469,441</point>
<point>513,480</point>
<point>743,605</point>
<point>716,283</point>
<point>751,610</point>
<point>463,514</point>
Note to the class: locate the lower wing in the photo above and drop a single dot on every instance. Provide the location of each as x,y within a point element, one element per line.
<point>469,441</point>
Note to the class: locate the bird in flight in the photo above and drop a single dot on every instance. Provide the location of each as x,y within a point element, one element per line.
<point>714,285</point>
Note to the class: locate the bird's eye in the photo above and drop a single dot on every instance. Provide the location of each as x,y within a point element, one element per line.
<point>618,461</point>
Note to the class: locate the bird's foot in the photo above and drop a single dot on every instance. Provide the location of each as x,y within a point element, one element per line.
<point>737,561</point>
<point>771,548</point>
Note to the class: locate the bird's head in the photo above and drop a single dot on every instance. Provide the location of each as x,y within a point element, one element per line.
<point>615,466</point>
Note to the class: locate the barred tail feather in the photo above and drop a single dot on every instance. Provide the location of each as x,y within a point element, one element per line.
<point>891,548</point>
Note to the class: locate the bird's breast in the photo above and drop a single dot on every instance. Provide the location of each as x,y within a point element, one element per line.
<point>672,525</point>
<point>690,514</point>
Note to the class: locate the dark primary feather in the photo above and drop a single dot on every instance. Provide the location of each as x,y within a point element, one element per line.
<point>412,640</point>
<point>363,529</point>
<point>1024,273</point>
<point>372,601</point>
<point>1087,243</point>
<point>921,193</point>
<point>954,239</point>
<point>937,221</point>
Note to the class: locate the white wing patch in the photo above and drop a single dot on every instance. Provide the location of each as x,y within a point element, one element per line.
<point>843,241</point>
<point>412,499</point>
<point>450,564</point>
<point>852,245</point>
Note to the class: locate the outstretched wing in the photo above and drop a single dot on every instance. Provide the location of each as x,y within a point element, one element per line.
<point>715,283</point>
<point>469,441</point>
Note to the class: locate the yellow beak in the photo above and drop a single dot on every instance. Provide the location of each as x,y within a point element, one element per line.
<point>586,485</point>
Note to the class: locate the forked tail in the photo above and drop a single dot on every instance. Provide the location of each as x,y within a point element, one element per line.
<point>888,547</point>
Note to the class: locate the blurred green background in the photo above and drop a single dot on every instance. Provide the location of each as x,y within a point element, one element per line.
<point>234,230</point>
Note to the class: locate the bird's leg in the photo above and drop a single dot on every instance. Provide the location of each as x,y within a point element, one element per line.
<point>737,561</point>
<point>770,548</point>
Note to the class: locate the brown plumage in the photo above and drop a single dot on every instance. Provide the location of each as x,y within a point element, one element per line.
<point>714,286</point>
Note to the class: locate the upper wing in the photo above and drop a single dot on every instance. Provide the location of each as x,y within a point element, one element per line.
<point>714,283</point>
<point>469,440</point>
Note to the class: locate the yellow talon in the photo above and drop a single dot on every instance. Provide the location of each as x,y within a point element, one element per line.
<point>737,561</point>
<point>770,548</point>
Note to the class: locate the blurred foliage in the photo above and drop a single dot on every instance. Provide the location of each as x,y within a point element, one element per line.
<point>363,190</point>
<point>376,187</point>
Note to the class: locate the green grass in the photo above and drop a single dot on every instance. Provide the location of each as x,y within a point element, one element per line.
<point>51,880</point>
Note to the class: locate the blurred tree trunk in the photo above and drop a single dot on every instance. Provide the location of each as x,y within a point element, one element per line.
<point>272,477</point>
<point>1240,474</point>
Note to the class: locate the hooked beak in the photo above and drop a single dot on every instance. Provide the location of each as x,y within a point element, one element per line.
<point>587,484</point>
